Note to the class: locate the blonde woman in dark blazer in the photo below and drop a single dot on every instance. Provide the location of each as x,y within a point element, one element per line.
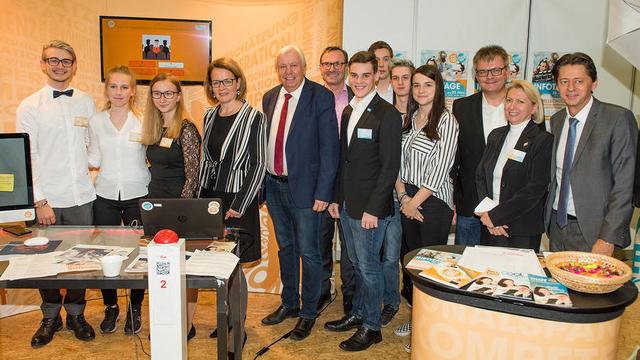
<point>514,171</point>
<point>234,158</point>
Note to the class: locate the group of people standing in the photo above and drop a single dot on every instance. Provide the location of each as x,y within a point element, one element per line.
<point>381,159</point>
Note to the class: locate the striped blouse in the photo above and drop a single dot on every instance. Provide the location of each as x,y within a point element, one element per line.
<point>427,163</point>
<point>244,150</point>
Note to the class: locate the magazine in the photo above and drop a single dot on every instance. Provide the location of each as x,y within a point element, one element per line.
<point>138,265</point>
<point>87,257</point>
<point>426,258</point>
<point>514,285</point>
<point>447,273</point>
<point>485,283</point>
<point>548,291</point>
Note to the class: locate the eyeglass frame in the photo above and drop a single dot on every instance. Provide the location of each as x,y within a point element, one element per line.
<point>336,65</point>
<point>160,94</point>
<point>223,82</point>
<point>59,61</point>
<point>485,72</point>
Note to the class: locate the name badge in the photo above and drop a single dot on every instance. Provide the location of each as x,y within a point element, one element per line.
<point>517,155</point>
<point>365,134</point>
<point>135,136</point>
<point>166,142</point>
<point>81,121</point>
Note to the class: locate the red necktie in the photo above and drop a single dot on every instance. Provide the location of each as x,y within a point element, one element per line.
<point>278,163</point>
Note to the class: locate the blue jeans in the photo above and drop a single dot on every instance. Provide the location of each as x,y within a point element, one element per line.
<point>297,236</point>
<point>467,230</point>
<point>391,258</point>
<point>364,248</point>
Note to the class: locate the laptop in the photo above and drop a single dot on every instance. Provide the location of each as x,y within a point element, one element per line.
<point>191,219</point>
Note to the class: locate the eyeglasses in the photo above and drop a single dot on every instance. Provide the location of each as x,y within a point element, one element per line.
<point>336,65</point>
<point>54,61</point>
<point>166,94</point>
<point>494,71</point>
<point>225,82</point>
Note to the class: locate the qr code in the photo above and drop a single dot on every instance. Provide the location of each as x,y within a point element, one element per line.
<point>162,268</point>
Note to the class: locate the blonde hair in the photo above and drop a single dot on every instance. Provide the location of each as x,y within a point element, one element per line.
<point>58,44</point>
<point>532,94</point>
<point>132,83</point>
<point>153,121</point>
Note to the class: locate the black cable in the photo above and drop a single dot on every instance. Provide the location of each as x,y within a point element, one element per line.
<point>286,335</point>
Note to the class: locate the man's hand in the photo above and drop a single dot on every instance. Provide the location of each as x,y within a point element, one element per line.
<point>232,214</point>
<point>499,231</point>
<point>334,210</point>
<point>45,215</point>
<point>369,221</point>
<point>603,248</point>
<point>320,206</point>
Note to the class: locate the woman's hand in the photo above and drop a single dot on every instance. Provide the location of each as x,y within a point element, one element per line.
<point>410,209</point>
<point>232,214</point>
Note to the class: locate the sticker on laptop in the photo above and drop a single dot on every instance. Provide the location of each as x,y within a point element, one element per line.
<point>146,206</point>
<point>213,207</point>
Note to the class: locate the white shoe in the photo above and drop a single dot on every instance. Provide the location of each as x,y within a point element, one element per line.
<point>403,330</point>
<point>407,347</point>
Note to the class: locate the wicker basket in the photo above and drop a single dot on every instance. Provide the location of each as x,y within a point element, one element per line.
<point>586,284</point>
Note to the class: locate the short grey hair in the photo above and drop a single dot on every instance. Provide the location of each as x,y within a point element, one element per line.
<point>288,48</point>
<point>400,62</point>
<point>59,44</point>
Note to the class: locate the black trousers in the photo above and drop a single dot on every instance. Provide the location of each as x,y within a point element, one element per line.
<point>107,212</point>
<point>433,230</point>
<point>347,275</point>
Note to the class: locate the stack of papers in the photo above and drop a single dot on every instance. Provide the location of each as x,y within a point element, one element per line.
<point>206,263</point>
<point>32,266</point>
<point>481,258</point>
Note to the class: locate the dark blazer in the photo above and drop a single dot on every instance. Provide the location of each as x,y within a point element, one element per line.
<point>602,172</point>
<point>369,167</point>
<point>524,185</point>
<point>242,163</point>
<point>636,181</point>
<point>471,144</point>
<point>311,149</point>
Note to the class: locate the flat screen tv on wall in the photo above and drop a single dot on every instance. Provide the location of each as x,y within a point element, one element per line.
<point>151,46</point>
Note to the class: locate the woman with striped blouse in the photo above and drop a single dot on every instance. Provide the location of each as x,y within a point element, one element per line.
<point>429,142</point>
<point>234,157</point>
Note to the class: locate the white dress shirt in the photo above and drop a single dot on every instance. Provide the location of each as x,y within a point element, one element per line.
<point>359,106</point>
<point>120,156</point>
<point>58,146</point>
<point>581,116</point>
<point>492,117</point>
<point>386,94</point>
<point>275,122</point>
<point>507,147</point>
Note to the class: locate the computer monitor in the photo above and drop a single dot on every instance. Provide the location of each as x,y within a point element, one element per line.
<point>16,186</point>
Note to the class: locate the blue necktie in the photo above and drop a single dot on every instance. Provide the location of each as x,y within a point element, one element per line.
<point>563,201</point>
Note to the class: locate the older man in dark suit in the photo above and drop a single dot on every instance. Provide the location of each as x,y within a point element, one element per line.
<point>302,159</point>
<point>370,137</point>
<point>593,162</point>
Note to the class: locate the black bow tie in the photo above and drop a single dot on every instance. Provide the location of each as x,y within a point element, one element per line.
<point>57,93</point>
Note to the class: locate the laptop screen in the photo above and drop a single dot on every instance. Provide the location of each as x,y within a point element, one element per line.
<point>189,218</point>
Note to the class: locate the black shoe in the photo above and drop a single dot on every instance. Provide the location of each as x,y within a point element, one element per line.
<point>279,315</point>
<point>81,328</point>
<point>44,334</point>
<point>324,300</point>
<point>388,312</point>
<point>302,329</point>
<point>110,322</point>
<point>192,333</point>
<point>134,320</point>
<point>361,340</point>
<point>346,323</point>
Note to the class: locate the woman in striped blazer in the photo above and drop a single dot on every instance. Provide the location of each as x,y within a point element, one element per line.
<point>234,157</point>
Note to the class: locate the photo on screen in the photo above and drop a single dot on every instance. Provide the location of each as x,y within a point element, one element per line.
<point>156,47</point>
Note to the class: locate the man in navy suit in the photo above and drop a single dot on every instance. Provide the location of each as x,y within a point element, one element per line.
<point>302,159</point>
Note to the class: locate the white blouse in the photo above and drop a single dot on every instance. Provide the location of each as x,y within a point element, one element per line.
<point>120,156</point>
<point>507,147</point>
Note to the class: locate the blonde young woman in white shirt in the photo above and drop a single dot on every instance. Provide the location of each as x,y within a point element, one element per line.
<point>115,149</point>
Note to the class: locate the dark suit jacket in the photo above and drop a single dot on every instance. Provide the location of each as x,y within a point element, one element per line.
<point>468,112</point>
<point>311,149</point>
<point>602,172</point>
<point>636,182</point>
<point>369,167</point>
<point>524,185</point>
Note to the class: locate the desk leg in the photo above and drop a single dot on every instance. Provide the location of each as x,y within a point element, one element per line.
<point>238,325</point>
<point>222,307</point>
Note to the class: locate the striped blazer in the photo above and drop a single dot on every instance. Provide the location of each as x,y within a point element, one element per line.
<point>242,164</point>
